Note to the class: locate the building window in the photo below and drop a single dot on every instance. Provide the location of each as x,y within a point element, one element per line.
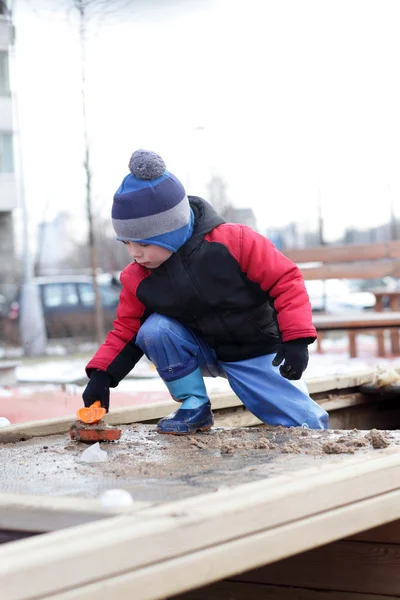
<point>6,153</point>
<point>4,74</point>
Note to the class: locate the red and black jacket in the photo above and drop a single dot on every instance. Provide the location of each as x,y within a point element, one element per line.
<point>227,283</point>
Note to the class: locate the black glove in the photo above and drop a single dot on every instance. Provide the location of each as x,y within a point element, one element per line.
<point>295,355</point>
<point>98,388</point>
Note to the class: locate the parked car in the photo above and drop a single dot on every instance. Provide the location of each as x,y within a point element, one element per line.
<point>68,307</point>
<point>3,306</point>
<point>337,296</point>
<point>3,314</point>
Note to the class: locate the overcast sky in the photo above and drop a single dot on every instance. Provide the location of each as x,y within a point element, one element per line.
<point>280,97</point>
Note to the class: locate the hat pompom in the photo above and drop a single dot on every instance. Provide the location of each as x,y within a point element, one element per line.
<point>145,164</point>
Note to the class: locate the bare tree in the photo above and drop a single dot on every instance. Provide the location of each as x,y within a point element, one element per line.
<point>83,8</point>
<point>111,256</point>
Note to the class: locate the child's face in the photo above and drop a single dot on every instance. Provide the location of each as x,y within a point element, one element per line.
<point>148,255</point>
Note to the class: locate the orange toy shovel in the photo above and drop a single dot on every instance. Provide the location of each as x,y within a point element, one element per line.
<point>91,414</point>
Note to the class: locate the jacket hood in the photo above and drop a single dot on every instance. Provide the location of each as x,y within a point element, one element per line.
<point>205,219</point>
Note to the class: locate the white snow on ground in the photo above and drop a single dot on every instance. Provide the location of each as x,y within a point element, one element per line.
<point>60,371</point>
<point>72,371</point>
<point>5,393</point>
<point>53,349</point>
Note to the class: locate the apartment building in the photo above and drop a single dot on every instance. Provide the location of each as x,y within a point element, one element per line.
<point>8,189</point>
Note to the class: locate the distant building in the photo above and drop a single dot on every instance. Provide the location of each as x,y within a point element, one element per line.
<point>55,244</point>
<point>8,189</point>
<point>380,233</point>
<point>245,216</point>
<point>292,236</point>
<point>285,237</point>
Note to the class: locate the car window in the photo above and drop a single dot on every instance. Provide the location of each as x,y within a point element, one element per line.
<point>60,294</point>
<point>109,296</point>
<point>52,295</point>
<point>70,294</point>
<point>86,293</point>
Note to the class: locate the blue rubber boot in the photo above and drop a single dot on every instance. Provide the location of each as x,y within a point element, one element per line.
<point>195,413</point>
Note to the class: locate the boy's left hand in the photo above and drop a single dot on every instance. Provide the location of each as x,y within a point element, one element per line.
<point>295,355</point>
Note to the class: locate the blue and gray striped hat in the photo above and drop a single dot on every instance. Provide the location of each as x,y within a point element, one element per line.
<point>151,205</point>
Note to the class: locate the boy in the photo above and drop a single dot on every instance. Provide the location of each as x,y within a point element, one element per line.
<point>204,298</point>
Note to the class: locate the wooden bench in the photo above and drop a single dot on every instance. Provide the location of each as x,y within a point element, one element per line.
<point>356,261</point>
<point>353,323</point>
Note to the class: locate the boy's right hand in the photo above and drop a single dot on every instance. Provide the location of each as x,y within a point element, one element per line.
<point>98,388</point>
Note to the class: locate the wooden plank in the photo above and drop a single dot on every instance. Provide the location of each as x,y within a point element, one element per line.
<point>327,383</point>
<point>356,321</point>
<point>51,513</point>
<point>353,270</point>
<point>235,417</point>
<point>237,590</point>
<point>331,403</point>
<point>343,566</point>
<point>203,539</point>
<point>176,574</point>
<point>352,344</point>
<point>345,253</point>
<point>8,535</point>
<point>389,534</point>
<point>152,412</point>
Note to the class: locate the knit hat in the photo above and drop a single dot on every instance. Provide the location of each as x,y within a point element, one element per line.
<point>151,205</point>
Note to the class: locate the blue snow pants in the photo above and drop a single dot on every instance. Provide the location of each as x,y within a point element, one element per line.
<point>176,352</point>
